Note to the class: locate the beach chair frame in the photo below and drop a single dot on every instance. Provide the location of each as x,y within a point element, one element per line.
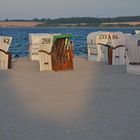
<point>62,54</point>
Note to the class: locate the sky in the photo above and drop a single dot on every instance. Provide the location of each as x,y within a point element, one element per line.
<point>29,9</point>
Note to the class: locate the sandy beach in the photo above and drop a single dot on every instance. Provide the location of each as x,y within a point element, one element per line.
<point>19,23</point>
<point>94,101</point>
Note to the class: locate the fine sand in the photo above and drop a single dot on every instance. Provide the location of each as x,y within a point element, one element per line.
<point>92,102</point>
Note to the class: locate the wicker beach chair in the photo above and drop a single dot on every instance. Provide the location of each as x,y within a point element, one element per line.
<point>57,53</point>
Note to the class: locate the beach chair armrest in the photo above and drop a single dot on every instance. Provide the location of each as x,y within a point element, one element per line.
<point>49,53</point>
<point>4,52</point>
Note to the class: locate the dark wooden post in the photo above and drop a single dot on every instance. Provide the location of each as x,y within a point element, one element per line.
<point>110,54</point>
<point>9,60</point>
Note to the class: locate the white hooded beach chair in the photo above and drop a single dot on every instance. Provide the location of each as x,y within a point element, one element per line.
<point>92,46</point>
<point>111,47</point>
<point>5,56</point>
<point>134,54</point>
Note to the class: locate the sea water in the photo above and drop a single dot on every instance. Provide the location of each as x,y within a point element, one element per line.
<point>20,43</point>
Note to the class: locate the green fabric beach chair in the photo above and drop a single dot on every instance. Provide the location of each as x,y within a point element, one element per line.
<point>56,53</point>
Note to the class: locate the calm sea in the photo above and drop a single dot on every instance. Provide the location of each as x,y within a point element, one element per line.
<point>20,42</point>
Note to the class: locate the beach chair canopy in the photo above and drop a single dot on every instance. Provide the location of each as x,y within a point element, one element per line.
<point>91,45</point>
<point>134,49</point>
<point>91,38</point>
<point>34,41</point>
<point>112,39</point>
<point>5,42</point>
<point>47,43</point>
<point>34,38</point>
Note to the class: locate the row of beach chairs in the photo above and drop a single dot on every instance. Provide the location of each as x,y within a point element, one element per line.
<point>55,51</point>
<point>52,51</point>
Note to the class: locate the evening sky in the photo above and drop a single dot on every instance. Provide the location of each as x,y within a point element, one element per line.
<point>29,9</point>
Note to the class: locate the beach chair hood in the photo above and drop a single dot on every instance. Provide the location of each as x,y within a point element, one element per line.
<point>111,39</point>
<point>5,42</point>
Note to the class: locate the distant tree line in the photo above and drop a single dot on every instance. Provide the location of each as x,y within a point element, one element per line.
<point>89,19</point>
<point>83,21</point>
